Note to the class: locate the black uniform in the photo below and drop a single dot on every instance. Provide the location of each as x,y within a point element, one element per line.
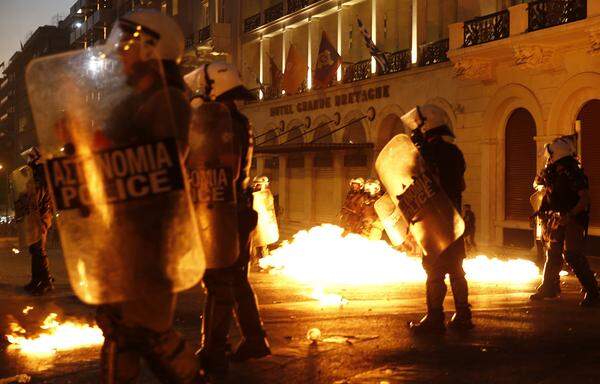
<point>41,280</point>
<point>228,289</point>
<point>469,235</point>
<point>564,231</point>
<point>142,328</point>
<point>446,161</point>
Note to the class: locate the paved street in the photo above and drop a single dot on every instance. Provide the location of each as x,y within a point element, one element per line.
<point>366,341</point>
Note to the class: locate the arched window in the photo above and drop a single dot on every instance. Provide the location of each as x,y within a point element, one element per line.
<point>589,116</point>
<point>390,127</point>
<point>520,166</point>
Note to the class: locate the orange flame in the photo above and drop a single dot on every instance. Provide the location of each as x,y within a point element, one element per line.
<point>323,258</point>
<point>56,336</point>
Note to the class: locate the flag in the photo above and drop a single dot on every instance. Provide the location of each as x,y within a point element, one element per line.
<point>296,69</point>
<point>328,61</point>
<point>378,54</point>
<point>276,78</point>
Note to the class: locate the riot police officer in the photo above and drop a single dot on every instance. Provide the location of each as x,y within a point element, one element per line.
<point>126,238</point>
<point>565,215</point>
<point>349,216</point>
<point>228,288</point>
<point>267,230</point>
<point>371,226</point>
<point>41,280</point>
<point>445,161</point>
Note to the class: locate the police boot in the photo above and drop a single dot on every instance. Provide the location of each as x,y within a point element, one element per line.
<point>218,313</point>
<point>44,286</point>
<point>172,360</point>
<point>29,287</point>
<point>118,364</point>
<point>550,287</point>
<point>461,320</point>
<point>251,348</point>
<point>582,270</point>
<point>254,344</point>
<point>431,324</point>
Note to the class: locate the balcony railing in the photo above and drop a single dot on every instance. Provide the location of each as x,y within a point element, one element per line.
<point>274,12</point>
<point>399,61</point>
<point>550,13</point>
<point>487,28</point>
<point>204,34</point>
<point>357,71</point>
<point>433,53</point>
<point>296,5</point>
<point>252,22</point>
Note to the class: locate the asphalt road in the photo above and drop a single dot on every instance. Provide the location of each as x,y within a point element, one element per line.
<point>365,341</point>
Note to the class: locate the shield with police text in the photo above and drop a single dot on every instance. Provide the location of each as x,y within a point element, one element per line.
<point>432,218</point>
<point>113,143</point>
<point>267,231</point>
<point>392,220</point>
<point>27,214</point>
<point>213,168</point>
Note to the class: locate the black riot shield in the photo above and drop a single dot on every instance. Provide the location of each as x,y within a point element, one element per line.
<point>213,168</point>
<point>433,220</point>
<point>116,176</point>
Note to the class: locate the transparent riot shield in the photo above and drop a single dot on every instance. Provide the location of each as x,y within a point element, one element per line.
<point>392,220</point>
<point>536,199</point>
<point>267,231</point>
<point>432,218</point>
<point>213,168</point>
<point>115,173</point>
<point>26,211</point>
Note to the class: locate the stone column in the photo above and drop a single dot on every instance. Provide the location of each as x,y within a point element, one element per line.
<point>309,183</point>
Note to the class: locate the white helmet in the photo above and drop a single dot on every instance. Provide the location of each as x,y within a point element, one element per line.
<point>358,180</point>
<point>31,154</point>
<point>260,181</point>
<point>218,80</point>
<point>160,36</point>
<point>561,147</point>
<point>426,117</point>
<point>372,187</point>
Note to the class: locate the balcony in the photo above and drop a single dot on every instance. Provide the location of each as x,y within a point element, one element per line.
<point>486,28</point>
<point>550,13</point>
<point>399,61</point>
<point>434,53</point>
<point>204,34</point>
<point>252,22</point>
<point>296,5</point>
<point>273,13</point>
<point>357,71</point>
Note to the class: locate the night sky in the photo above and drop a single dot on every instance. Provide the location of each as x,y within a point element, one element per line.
<point>18,17</point>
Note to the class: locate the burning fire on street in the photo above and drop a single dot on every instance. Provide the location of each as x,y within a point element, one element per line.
<point>55,336</point>
<point>324,259</point>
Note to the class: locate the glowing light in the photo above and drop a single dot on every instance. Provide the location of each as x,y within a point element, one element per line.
<point>27,309</point>
<point>322,258</point>
<point>95,65</point>
<point>16,251</point>
<point>78,25</point>
<point>55,336</point>
<point>313,335</point>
